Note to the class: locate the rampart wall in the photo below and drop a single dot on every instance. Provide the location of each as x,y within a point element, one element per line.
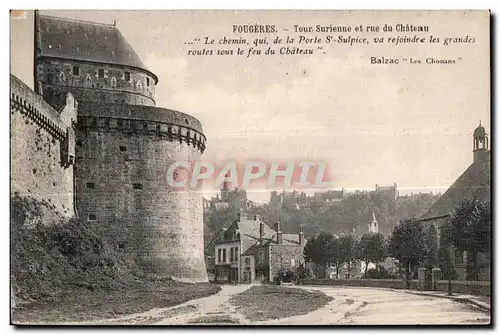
<point>42,148</point>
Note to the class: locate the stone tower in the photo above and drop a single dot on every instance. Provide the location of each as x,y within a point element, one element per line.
<point>373,226</point>
<point>124,145</point>
<point>480,143</point>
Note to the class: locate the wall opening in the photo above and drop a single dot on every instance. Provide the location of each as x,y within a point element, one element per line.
<point>76,71</point>
<point>90,185</point>
<point>127,76</point>
<point>137,186</point>
<point>101,73</point>
<point>123,148</point>
<point>92,217</point>
<point>147,82</point>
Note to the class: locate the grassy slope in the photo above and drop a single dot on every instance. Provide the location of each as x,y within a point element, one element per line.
<point>74,271</point>
<point>86,305</point>
<point>261,303</point>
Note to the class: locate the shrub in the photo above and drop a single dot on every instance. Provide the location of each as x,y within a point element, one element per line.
<point>304,272</point>
<point>287,276</point>
<point>379,273</point>
<point>48,260</point>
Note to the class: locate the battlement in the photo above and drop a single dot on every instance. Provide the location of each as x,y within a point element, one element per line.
<point>146,120</point>
<point>32,105</point>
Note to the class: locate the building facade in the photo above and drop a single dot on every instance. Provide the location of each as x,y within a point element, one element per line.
<point>250,251</point>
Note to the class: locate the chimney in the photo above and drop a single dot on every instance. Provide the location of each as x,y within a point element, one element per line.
<point>301,236</point>
<point>279,234</point>
<point>261,231</point>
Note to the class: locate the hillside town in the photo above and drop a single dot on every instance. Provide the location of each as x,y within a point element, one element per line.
<point>248,242</point>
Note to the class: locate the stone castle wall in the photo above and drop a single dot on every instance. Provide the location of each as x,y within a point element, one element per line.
<point>123,154</point>
<point>42,148</point>
<point>119,84</point>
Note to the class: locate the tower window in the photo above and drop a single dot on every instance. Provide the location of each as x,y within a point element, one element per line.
<point>127,76</point>
<point>113,82</point>
<point>90,185</point>
<point>76,70</point>
<point>147,82</point>
<point>137,186</point>
<point>92,217</point>
<point>101,73</point>
<point>123,148</point>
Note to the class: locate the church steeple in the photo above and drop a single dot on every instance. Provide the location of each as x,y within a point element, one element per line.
<point>373,226</point>
<point>225,188</point>
<point>480,142</point>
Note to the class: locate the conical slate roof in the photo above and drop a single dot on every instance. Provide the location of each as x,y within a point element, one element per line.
<point>84,41</point>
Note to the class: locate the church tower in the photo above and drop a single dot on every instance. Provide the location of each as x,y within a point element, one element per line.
<point>480,143</point>
<point>373,226</point>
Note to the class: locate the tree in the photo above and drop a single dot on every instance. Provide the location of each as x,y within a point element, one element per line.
<point>371,248</point>
<point>408,244</point>
<point>348,252</point>
<point>469,229</point>
<point>336,257</point>
<point>318,249</point>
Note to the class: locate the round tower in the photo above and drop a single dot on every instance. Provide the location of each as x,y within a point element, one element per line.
<point>123,155</point>
<point>480,142</point>
<point>125,146</point>
<point>93,61</point>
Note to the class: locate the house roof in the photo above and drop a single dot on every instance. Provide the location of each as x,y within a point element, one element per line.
<point>288,239</point>
<point>475,182</point>
<point>249,231</point>
<point>84,41</point>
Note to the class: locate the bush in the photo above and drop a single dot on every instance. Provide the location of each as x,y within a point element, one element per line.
<point>304,272</point>
<point>48,260</point>
<point>379,273</point>
<point>287,276</point>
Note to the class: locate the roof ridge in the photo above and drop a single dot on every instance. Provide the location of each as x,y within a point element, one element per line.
<point>79,21</point>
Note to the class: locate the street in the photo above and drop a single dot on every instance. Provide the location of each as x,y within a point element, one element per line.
<point>351,305</point>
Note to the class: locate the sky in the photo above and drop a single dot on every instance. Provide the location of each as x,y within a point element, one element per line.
<point>373,124</point>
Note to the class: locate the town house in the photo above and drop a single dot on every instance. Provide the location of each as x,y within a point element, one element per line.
<point>250,251</point>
